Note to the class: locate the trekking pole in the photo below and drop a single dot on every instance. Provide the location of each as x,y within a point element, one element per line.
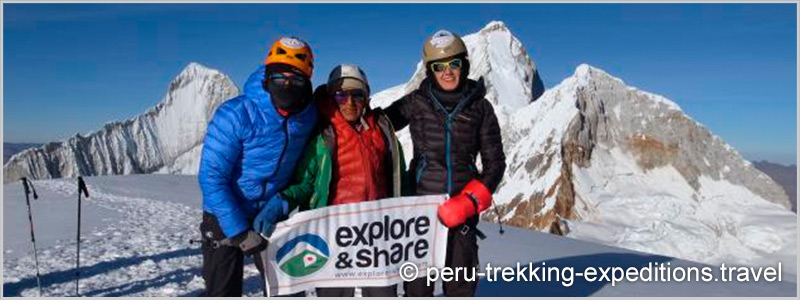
<point>499,218</point>
<point>81,190</point>
<point>30,221</point>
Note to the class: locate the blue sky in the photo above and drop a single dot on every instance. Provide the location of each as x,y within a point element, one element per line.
<point>70,68</point>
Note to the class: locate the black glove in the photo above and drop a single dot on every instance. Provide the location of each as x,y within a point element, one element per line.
<point>250,242</point>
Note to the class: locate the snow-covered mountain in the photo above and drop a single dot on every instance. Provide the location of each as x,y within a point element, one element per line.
<point>166,138</point>
<point>616,164</point>
<point>510,75</point>
<point>631,169</point>
<point>620,166</point>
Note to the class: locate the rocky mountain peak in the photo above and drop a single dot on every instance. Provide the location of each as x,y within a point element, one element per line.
<point>492,26</point>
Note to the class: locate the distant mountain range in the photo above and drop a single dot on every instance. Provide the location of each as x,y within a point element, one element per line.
<point>785,176</point>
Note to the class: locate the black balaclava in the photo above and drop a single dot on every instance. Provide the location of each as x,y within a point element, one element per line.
<point>291,98</point>
<point>449,98</point>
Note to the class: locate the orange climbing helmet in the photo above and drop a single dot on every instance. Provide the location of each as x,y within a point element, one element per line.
<point>292,51</point>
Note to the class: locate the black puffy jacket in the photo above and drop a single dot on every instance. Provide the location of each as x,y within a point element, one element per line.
<point>447,141</point>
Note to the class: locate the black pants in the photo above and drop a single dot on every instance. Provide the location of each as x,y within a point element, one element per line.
<point>379,291</point>
<point>223,266</point>
<point>462,251</point>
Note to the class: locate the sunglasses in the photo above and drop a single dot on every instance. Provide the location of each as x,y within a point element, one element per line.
<point>357,95</point>
<point>283,78</point>
<point>440,66</point>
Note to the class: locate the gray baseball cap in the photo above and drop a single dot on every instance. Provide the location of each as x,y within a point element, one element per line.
<point>348,77</point>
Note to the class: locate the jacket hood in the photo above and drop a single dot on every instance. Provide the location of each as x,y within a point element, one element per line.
<point>253,86</point>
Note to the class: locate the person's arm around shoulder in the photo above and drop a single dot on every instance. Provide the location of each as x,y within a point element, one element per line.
<point>400,112</point>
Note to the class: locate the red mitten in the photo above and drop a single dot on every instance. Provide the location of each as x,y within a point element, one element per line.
<point>480,193</point>
<point>457,209</point>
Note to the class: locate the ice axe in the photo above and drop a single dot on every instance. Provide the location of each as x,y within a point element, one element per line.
<point>499,218</point>
<point>263,256</point>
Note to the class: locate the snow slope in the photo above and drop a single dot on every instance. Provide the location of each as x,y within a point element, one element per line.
<point>139,245</point>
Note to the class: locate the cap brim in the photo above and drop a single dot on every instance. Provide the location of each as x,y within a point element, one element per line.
<point>347,84</point>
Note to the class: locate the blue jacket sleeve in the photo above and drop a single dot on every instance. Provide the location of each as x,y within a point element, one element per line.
<point>222,149</point>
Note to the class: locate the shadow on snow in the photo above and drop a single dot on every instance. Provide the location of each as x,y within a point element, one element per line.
<point>49,279</point>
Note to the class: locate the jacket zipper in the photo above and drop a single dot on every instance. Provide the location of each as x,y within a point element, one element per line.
<point>421,167</point>
<point>448,135</point>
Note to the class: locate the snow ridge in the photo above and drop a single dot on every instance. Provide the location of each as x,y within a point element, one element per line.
<point>151,142</point>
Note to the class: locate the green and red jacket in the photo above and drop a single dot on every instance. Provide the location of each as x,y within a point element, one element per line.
<point>311,183</point>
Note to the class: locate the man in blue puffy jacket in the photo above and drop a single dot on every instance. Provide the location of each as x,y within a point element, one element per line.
<point>249,153</point>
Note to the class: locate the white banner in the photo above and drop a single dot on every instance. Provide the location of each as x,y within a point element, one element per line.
<point>355,245</point>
